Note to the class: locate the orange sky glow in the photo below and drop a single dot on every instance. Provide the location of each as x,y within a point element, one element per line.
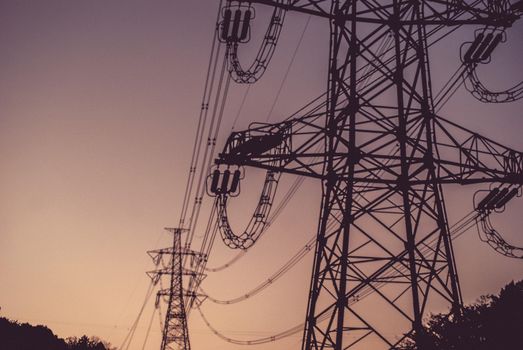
<point>99,101</point>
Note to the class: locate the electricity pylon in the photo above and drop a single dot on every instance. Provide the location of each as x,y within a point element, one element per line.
<point>169,261</point>
<point>386,155</point>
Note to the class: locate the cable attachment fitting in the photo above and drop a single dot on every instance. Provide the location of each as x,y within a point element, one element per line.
<point>495,201</point>
<point>235,26</point>
<point>224,182</point>
<point>258,221</point>
<point>478,52</point>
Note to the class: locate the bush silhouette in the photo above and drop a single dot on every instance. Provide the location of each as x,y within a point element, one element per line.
<point>493,322</point>
<point>23,336</point>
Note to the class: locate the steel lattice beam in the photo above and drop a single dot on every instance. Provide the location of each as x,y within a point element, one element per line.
<point>175,334</point>
<point>385,156</point>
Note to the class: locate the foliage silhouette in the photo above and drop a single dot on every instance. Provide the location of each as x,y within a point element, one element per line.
<point>23,336</point>
<point>493,322</point>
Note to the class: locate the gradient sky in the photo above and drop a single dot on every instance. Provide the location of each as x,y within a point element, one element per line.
<point>98,107</point>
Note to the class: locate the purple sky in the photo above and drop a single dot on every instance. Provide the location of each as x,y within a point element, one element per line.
<point>98,108</point>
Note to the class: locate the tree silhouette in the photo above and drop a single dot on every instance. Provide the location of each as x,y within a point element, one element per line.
<point>493,322</point>
<point>23,336</point>
<point>86,343</point>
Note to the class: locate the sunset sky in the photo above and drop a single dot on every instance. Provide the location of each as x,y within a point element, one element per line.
<point>99,101</point>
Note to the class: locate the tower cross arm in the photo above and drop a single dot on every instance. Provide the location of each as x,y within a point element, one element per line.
<point>435,12</point>
<point>294,146</point>
<point>319,8</point>
<point>466,157</point>
<point>459,12</point>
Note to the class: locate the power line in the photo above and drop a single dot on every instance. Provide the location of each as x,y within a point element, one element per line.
<point>462,226</point>
<point>286,74</point>
<point>386,156</point>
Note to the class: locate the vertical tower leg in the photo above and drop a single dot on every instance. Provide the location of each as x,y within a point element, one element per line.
<point>381,204</point>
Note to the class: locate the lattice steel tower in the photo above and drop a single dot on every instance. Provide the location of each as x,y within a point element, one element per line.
<point>383,157</point>
<point>169,262</point>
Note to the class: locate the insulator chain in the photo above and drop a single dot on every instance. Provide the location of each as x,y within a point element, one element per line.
<point>478,52</point>
<point>259,218</point>
<point>234,28</point>
<point>226,183</point>
<point>495,201</point>
<point>236,22</point>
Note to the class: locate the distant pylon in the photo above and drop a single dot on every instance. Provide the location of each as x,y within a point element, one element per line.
<point>175,335</point>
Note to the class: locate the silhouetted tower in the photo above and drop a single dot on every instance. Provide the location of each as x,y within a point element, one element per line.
<point>384,156</point>
<point>175,335</point>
